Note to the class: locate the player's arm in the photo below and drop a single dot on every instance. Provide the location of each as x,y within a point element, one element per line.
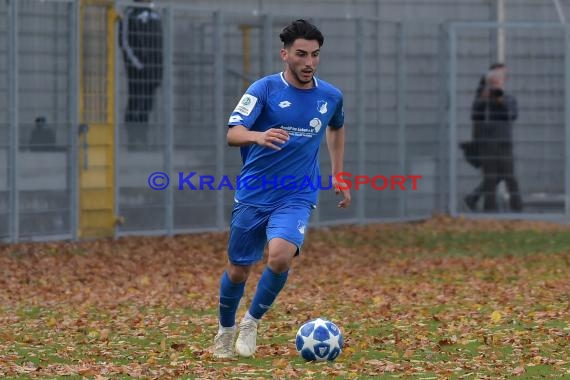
<point>335,145</point>
<point>239,135</point>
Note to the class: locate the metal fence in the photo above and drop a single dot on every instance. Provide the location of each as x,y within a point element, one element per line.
<point>38,108</point>
<point>209,61</point>
<point>408,90</point>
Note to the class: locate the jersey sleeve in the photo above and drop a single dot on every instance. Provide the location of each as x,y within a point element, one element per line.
<point>249,106</point>
<point>337,120</point>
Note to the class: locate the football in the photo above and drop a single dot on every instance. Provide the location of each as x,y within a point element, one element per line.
<point>319,340</point>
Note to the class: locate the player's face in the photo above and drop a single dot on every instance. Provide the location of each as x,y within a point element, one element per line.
<point>301,61</point>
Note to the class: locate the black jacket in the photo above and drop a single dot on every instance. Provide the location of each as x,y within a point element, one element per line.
<point>140,37</point>
<point>493,117</point>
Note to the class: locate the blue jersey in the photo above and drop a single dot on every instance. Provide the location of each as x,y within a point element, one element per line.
<point>270,177</point>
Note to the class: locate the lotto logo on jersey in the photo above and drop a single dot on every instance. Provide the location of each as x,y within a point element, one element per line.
<point>246,104</point>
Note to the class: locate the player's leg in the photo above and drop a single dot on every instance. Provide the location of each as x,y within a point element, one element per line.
<point>285,232</point>
<point>232,286</point>
<point>245,247</point>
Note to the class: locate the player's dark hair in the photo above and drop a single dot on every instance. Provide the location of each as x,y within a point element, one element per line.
<point>301,29</point>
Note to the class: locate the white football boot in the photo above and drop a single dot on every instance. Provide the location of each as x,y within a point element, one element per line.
<point>246,341</point>
<point>224,343</point>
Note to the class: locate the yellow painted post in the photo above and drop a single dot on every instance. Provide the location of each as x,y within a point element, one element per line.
<point>97,111</point>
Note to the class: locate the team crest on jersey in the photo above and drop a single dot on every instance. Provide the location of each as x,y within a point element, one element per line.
<point>246,104</point>
<point>322,107</point>
<point>285,104</point>
<point>316,124</point>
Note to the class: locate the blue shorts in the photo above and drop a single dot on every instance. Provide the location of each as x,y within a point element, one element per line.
<point>252,227</point>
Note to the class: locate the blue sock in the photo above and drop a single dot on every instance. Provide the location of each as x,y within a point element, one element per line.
<point>269,286</point>
<point>230,295</point>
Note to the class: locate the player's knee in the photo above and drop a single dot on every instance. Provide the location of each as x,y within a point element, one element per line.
<point>281,253</point>
<point>279,262</point>
<point>238,273</point>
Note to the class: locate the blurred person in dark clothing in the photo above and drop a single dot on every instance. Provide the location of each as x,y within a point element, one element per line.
<point>493,113</point>
<point>141,39</point>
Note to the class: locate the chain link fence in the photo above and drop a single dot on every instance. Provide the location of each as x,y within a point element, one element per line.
<point>37,119</point>
<point>408,90</point>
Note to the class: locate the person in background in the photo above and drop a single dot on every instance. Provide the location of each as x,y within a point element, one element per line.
<point>141,41</point>
<point>472,148</point>
<point>493,113</point>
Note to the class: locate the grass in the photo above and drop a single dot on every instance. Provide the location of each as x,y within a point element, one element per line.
<point>442,299</point>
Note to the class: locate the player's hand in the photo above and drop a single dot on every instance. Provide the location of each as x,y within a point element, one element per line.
<point>273,136</point>
<point>345,202</point>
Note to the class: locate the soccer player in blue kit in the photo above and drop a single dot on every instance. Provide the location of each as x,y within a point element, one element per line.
<point>278,124</point>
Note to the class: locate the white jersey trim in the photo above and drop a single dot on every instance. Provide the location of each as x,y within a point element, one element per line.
<point>282,74</point>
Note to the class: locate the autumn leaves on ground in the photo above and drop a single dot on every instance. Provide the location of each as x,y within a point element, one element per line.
<point>438,299</point>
